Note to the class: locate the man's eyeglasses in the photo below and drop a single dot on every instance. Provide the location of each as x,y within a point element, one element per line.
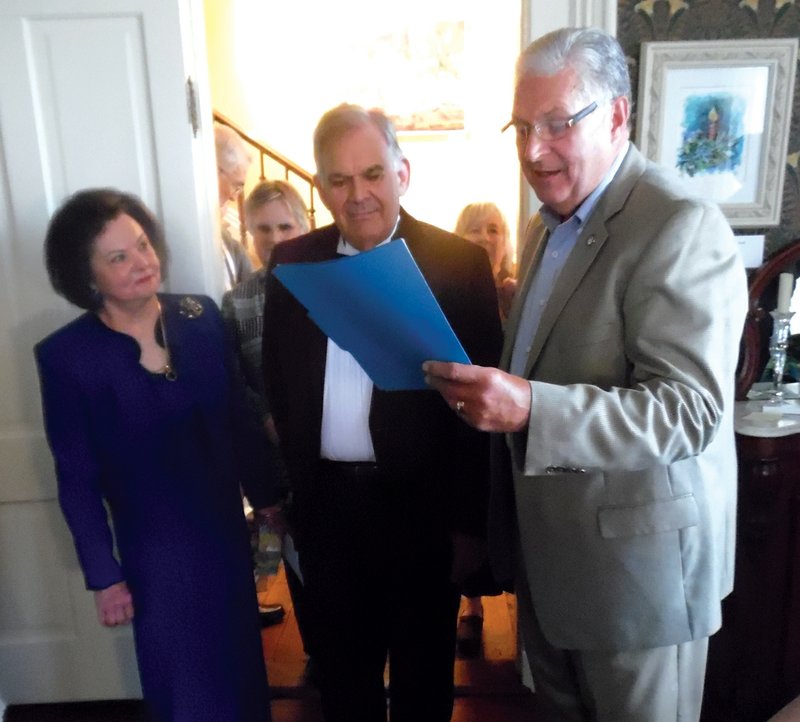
<point>548,129</point>
<point>237,185</point>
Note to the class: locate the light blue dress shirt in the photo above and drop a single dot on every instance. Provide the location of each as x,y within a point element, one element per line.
<point>563,235</point>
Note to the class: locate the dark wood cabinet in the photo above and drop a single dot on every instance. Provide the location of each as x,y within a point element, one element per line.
<point>754,660</point>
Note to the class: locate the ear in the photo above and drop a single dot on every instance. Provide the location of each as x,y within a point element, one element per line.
<point>404,174</point>
<point>620,114</point>
<point>320,186</point>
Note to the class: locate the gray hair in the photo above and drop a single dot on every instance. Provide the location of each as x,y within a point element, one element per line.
<point>346,117</point>
<point>594,55</point>
<point>232,152</point>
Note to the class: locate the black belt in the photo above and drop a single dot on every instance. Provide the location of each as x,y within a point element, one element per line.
<point>353,470</point>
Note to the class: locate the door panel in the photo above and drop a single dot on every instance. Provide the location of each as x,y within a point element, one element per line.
<point>91,94</point>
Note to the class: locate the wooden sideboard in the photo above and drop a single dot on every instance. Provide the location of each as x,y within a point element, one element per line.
<point>754,660</point>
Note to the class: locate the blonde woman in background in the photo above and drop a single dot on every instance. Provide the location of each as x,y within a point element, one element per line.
<point>274,212</point>
<point>485,225</point>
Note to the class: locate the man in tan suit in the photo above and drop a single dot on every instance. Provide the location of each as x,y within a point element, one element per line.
<point>614,482</point>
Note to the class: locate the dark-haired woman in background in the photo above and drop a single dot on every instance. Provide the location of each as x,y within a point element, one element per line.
<point>140,410</point>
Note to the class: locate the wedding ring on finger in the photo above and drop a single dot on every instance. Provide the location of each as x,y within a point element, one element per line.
<point>459,407</point>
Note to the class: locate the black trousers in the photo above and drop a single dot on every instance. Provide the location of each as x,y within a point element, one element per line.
<point>377,585</point>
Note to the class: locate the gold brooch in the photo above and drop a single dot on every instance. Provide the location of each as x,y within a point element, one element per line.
<point>189,307</point>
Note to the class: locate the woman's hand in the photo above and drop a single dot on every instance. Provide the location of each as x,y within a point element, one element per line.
<point>114,605</point>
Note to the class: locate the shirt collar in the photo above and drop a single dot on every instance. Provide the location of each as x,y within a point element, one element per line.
<point>346,248</point>
<point>552,220</point>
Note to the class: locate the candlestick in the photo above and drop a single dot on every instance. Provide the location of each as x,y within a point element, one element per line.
<point>785,290</point>
<point>777,350</point>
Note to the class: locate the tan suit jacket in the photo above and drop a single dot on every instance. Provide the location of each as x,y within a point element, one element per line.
<point>623,488</point>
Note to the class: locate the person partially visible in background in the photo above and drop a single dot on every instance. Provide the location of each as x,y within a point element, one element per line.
<point>142,411</point>
<point>274,212</point>
<point>233,163</point>
<point>483,223</point>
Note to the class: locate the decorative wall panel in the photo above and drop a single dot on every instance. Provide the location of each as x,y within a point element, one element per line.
<point>642,20</point>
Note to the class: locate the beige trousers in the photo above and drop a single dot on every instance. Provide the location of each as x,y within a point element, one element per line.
<point>663,684</point>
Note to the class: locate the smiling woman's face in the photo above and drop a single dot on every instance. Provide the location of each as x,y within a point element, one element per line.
<point>488,233</point>
<point>125,267</point>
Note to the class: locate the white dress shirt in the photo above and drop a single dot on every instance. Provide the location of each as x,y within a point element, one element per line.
<point>346,400</point>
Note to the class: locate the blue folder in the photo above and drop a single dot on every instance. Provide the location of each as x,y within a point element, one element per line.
<point>377,306</point>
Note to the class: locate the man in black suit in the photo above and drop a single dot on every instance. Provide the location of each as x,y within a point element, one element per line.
<point>389,488</point>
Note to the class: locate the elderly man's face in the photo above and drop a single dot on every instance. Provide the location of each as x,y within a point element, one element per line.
<point>231,183</point>
<point>565,170</point>
<point>361,183</point>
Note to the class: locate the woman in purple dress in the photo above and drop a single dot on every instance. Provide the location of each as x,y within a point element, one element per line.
<point>142,413</point>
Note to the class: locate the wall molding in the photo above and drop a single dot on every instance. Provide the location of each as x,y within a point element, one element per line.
<point>542,16</point>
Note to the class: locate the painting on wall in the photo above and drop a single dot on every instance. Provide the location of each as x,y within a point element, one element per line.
<point>712,134</point>
<point>425,62</point>
<point>719,113</point>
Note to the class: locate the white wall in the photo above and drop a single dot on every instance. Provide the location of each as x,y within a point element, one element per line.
<point>275,71</point>
<point>275,67</point>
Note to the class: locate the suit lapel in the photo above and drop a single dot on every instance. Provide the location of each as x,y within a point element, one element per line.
<point>312,345</point>
<point>588,245</point>
<point>590,241</point>
<point>406,230</point>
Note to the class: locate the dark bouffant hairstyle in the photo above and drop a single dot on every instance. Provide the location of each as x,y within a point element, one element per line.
<point>73,230</point>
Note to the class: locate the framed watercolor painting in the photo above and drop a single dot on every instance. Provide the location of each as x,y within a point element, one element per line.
<point>719,113</point>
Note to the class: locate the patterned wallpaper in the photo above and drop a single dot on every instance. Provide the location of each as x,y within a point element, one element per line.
<point>642,20</point>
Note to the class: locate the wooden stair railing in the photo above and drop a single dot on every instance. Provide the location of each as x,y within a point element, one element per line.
<point>290,168</point>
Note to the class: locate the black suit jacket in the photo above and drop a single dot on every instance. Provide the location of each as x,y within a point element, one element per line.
<point>440,463</point>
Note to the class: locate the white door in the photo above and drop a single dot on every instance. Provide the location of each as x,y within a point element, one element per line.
<point>92,93</point>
